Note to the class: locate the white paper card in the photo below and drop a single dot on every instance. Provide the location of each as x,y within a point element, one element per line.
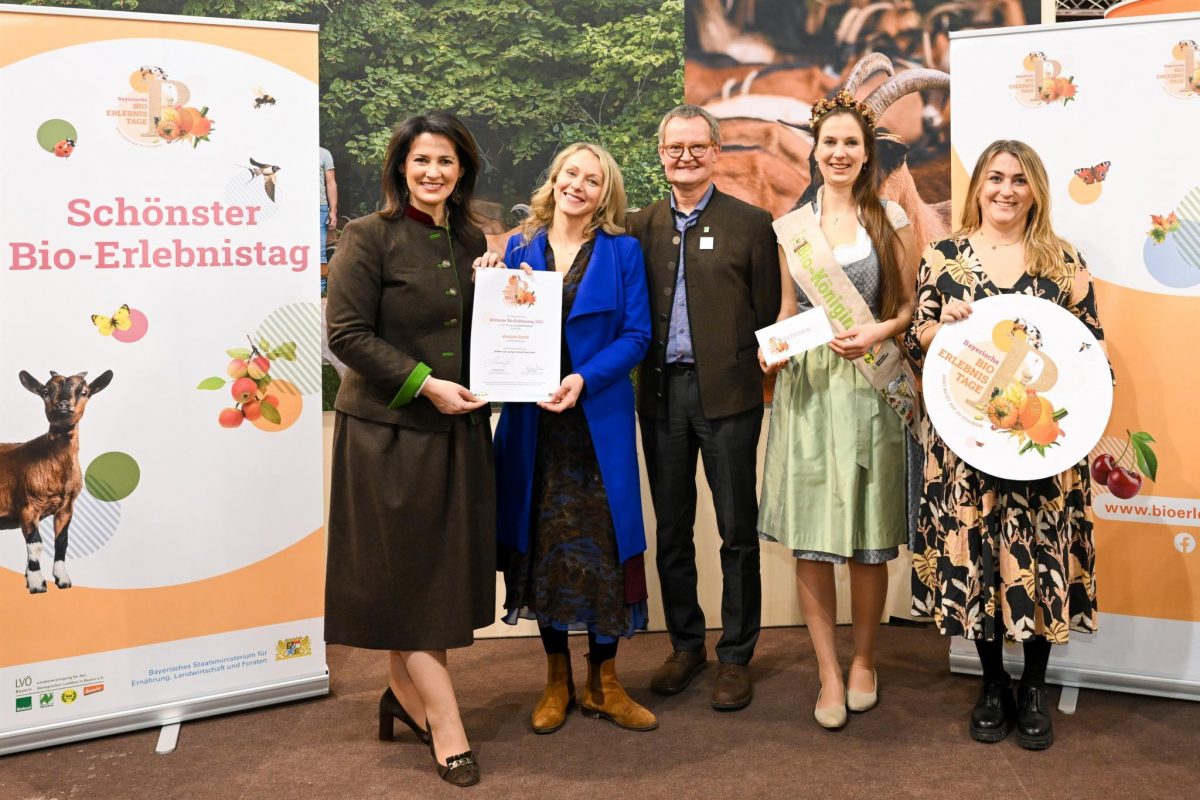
<point>786,338</point>
<point>516,335</point>
<point>706,243</point>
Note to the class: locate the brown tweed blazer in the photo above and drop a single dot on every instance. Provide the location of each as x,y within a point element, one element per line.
<point>732,291</point>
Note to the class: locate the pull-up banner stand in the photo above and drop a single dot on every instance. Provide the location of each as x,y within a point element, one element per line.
<point>162,548</point>
<point>1109,107</point>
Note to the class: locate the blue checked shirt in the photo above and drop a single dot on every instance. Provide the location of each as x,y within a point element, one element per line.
<point>679,335</point>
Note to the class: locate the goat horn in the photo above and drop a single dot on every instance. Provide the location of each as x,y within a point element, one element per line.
<point>839,36</point>
<point>943,8</point>
<point>864,16</point>
<point>865,68</point>
<point>749,80</point>
<point>913,80</point>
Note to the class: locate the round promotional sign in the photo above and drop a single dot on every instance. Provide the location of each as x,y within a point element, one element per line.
<point>1020,389</point>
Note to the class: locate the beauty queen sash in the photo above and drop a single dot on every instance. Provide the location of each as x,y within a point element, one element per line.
<point>813,266</point>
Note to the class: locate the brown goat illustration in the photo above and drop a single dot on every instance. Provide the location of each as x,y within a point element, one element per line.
<point>41,477</point>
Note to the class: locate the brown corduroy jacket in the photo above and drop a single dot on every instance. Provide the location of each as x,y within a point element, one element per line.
<point>733,290</point>
<point>399,310</point>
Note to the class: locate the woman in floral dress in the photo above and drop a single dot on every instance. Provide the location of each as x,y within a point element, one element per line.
<point>999,559</point>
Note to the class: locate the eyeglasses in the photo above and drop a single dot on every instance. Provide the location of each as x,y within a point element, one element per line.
<point>696,150</point>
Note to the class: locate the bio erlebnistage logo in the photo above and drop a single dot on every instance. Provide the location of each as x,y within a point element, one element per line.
<point>1181,76</point>
<point>156,111</point>
<point>1042,82</point>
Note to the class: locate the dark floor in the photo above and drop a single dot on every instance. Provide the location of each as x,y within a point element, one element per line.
<point>913,745</point>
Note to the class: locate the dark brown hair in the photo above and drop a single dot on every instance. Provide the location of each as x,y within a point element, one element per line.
<point>439,123</point>
<point>874,219</point>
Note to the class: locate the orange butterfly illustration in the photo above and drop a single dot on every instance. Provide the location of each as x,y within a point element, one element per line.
<point>1096,174</point>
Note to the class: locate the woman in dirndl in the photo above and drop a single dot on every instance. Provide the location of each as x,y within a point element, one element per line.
<point>833,488</point>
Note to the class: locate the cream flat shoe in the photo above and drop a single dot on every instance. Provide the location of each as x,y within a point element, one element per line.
<point>829,718</point>
<point>863,701</point>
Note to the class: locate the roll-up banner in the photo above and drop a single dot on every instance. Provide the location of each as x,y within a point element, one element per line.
<point>162,547</point>
<point>1112,108</point>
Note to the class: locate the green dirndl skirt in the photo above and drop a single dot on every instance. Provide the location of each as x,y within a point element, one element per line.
<point>834,479</point>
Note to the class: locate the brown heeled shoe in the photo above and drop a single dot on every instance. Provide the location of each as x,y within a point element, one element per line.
<point>558,698</point>
<point>390,709</point>
<point>605,697</point>
<point>459,770</point>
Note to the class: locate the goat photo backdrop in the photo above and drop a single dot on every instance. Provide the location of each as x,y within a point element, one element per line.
<point>161,538</point>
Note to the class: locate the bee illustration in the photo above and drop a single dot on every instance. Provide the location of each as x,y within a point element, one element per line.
<point>157,72</point>
<point>1085,346</point>
<point>261,98</point>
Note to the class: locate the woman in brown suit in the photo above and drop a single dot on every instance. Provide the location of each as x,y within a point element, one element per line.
<point>413,504</point>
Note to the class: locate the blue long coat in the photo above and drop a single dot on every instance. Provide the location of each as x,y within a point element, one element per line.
<point>607,333</point>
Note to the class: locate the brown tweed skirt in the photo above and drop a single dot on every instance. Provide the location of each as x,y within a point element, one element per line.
<point>412,535</point>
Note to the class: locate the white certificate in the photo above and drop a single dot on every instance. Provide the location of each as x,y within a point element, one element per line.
<point>516,335</point>
<point>794,335</point>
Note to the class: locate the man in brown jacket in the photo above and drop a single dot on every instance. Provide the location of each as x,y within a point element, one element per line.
<point>714,279</point>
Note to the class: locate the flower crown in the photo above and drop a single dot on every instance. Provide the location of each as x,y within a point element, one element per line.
<point>845,101</point>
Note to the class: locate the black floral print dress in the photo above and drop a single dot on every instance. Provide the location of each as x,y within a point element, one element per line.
<point>571,577</point>
<point>991,556</point>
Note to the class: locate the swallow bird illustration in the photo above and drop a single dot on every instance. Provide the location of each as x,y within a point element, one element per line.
<point>268,172</point>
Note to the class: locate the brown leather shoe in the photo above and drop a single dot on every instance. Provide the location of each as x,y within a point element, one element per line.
<point>605,698</point>
<point>557,699</point>
<point>678,670</point>
<point>732,689</point>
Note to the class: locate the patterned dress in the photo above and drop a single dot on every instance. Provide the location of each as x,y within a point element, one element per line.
<point>996,556</point>
<point>570,577</point>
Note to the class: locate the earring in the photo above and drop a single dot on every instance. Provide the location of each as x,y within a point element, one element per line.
<point>456,197</point>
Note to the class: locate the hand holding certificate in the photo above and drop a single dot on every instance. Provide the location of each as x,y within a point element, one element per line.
<point>794,335</point>
<point>516,335</point>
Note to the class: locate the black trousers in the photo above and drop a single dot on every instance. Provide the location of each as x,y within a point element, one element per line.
<point>729,448</point>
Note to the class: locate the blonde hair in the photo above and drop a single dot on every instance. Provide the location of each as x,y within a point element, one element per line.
<point>1043,247</point>
<point>609,214</point>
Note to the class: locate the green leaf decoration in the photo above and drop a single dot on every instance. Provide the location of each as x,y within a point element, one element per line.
<point>1026,448</point>
<point>238,352</point>
<point>262,345</point>
<point>1146,460</point>
<point>1141,436</point>
<point>270,413</point>
<point>1158,235</point>
<point>286,351</point>
<point>1062,412</point>
<point>262,382</point>
<point>209,384</point>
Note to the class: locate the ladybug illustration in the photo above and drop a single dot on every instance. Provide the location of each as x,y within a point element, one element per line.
<point>64,148</point>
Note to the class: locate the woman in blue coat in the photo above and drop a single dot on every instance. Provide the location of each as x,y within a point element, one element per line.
<point>569,510</point>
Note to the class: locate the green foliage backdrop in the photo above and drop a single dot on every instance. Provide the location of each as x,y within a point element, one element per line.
<point>528,76</point>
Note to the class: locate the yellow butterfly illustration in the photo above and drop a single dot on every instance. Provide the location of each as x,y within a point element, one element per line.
<point>119,321</point>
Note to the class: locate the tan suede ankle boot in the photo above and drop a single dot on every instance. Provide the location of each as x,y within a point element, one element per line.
<point>557,699</point>
<point>605,697</point>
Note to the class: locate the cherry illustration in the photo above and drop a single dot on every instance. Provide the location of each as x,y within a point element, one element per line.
<point>1124,483</point>
<point>1102,466</point>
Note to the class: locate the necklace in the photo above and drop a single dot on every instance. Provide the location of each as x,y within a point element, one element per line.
<point>993,244</point>
<point>837,217</point>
